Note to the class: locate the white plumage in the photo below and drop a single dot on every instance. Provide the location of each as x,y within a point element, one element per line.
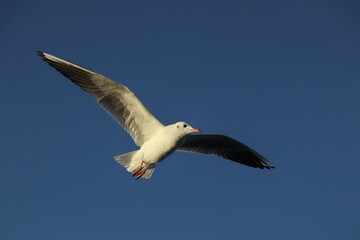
<point>155,140</point>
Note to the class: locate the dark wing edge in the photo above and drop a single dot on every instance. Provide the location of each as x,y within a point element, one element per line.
<point>225,147</point>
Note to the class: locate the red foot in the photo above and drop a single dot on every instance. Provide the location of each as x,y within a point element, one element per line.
<point>140,174</point>
<point>138,169</point>
<point>137,174</point>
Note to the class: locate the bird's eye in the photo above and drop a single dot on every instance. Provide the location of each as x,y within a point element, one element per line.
<point>185,125</point>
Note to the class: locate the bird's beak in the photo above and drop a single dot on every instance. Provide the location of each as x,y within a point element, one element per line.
<point>195,130</point>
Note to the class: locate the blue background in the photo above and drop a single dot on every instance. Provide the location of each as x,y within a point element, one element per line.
<point>280,76</point>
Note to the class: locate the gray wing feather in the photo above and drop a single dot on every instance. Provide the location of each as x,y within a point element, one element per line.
<point>119,101</point>
<point>225,147</point>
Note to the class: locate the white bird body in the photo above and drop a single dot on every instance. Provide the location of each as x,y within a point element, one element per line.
<point>155,140</point>
<point>167,138</point>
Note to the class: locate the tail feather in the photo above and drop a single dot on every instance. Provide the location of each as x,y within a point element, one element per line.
<point>125,159</point>
<point>148,173</point>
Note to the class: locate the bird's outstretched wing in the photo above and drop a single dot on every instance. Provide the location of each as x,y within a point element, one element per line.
<point>120,102</point>
<point>225,147</point>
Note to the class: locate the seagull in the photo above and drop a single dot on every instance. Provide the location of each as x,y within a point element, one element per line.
<point>156,141</point>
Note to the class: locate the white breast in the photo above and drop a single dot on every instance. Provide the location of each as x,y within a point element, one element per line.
<point>159,147</point>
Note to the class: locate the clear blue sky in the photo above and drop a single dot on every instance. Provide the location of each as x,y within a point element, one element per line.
<point>280,76</point>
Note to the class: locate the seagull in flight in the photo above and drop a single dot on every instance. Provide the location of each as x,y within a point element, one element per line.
<point>156,141</point>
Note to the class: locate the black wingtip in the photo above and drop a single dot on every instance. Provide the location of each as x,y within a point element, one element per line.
<point>258,161</point>
<point>41,54</point>
<point>267,165</point>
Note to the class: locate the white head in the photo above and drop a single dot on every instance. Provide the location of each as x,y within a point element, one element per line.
<point>183,128</point>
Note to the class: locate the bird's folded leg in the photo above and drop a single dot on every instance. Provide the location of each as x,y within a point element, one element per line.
<point>138,169</point>
<point>139,174</point>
